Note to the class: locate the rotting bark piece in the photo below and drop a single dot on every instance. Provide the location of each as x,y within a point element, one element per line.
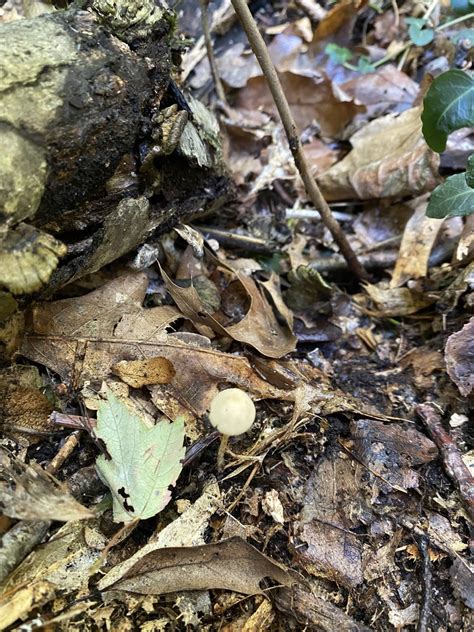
<point>312,610</point>
<point>76,103</point>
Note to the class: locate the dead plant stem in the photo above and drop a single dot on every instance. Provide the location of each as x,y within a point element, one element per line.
<point>210,52</point>
<point>261,53</point>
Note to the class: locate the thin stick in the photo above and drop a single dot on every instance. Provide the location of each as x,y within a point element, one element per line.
<point>261,53</point>
<point>452,459</point>
<point>65,452</point>
<point>210,52</point>
<point>426,592</point>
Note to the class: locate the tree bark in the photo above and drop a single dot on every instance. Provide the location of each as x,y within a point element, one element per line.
<point>76,104</point>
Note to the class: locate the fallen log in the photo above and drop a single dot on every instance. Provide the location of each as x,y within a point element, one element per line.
<point>98,148</point>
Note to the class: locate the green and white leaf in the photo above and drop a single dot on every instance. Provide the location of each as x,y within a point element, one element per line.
<point>418,33</point>
<point>453,197</point>
<point>145,461</point>
<point>448,105</point>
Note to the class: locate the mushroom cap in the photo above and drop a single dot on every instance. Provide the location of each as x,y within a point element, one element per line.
<point>232,412</point>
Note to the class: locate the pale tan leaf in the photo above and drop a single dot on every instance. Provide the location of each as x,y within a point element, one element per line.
<point>399,301</point>
<point>417,241</point>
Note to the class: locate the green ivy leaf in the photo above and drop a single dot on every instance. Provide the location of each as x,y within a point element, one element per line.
<point>364,65</point>
<point>419,35</point>
<point>453,197</point>
<point>470,172</point>
<point>338,54</point>
<point>448,105</point>
<point>144,461</point>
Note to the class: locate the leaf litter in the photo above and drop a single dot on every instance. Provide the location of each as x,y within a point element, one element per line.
<point>349,503</point>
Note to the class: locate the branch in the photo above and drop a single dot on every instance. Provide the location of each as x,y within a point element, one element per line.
<point>452,459</point>
<point>261,53</point>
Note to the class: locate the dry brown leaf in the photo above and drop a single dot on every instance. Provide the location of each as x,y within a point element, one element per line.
<point>403,448</point>
<point>417,241</point>
<point>326,518</point>
<point>310,100</point>
<point>338,15</point>
<point>399,301</point>
<point>118,304</point>
<point>186,531</point>
<point>24,409</point>
<point>138,373</point>
<point>459,356</point>
<point>424,362</point>
<point>389,158</point>
<point>229,565</point>
<point>383,91</point>
<point>258,328</point>
<point>30,493</point>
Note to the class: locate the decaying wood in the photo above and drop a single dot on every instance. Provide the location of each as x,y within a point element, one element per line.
<point>78,90</point>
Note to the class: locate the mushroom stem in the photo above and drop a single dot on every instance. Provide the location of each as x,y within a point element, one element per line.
<point>221,452</point>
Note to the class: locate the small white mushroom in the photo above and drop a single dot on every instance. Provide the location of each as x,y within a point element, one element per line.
<point>232,413</point>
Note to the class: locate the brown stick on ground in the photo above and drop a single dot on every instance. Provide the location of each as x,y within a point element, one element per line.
<point>452,459</point>
<point>210,52</point>
<point>261,53</point>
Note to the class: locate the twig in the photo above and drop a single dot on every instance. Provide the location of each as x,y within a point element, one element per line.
<point>261,53</point>
<point>210,52</point>
<point>235,240</point>
<point>18,542</point>
<point>375,260</point>
<point>65,452</point>
<point>425,607</point>
<point>463,18</point>
<point>452,459</point>
<point>396,13</point>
